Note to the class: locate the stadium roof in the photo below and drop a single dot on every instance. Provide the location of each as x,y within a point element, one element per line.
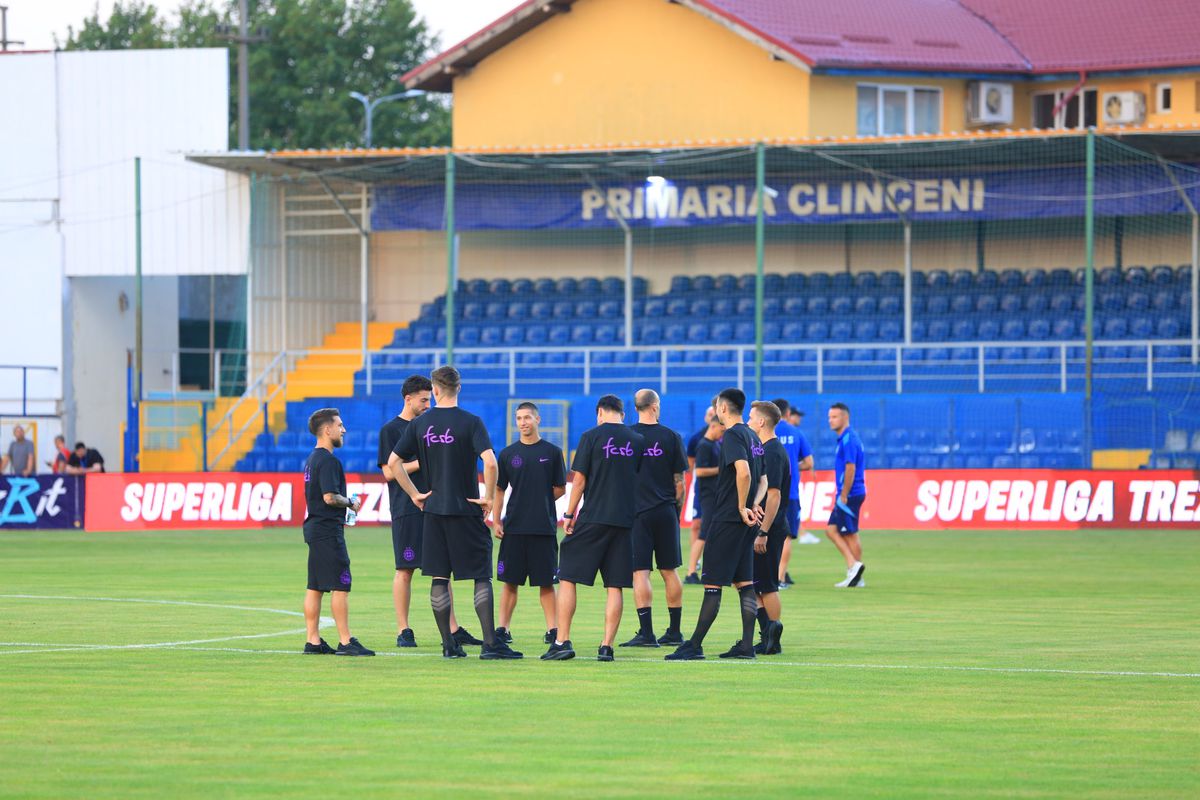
<point>976,36</point>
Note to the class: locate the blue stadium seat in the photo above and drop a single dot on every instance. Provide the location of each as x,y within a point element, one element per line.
<point>610,309</point>
<point>772,332</point>
<point>841,282</point>
<point>937,304</point>
<point>514,336</point>
<point>675,356</point>
<point>724,307</point>
<point>522,287</point>
<point>602,358</point>
<point>559,358</point>
<point>1137,301</point>
<point>1109,276</point>
<point>722,332</point>
<point>652,333</point>
<point>1036,303</point>
<point>890,304</point>
<point>491,359</point>
<point>585,310</point>
<point>816,331</point>
<point>1004,462</point>
<point>1141,328</point>
<point>703,284</point>
<point>927,461</point>
<point>500,286</point>
<point>921,440</point>
<point>1013,329</point>
<point>429,313</point>
<point>862,356</point>
<point>566,287</point>
<point>1110,301</point>
<point>476,286</point>
<point>818,282</point>
<point>1009,304</point>
<point>538,335</point>
<point>897,440</point>
<point>473,312</point>
<point>1162,275</point>
<point>1039,328</point>
<point>970,441</point>
<point>465,359</point>
<point>544,287</point>
<point>559,335</point>
<point>492,336</point>
<point>976,461</point>
<point>607,334</point>
<point>1028,461</point>
<point>772,283</point>
<point>795,282</point>
<point>891,280</point>
<point>890,331</point>
<point>792,307</point>
<point>867,330</point>
<point>588,287</point>
<point>920,331</point>
<point>288,440</point>
<point>866,304</point>
<point>937,279</point>
<point>1185,300</point>
<point>423,337</point>
<point>468,336</point>
<point>900,462</point>
<point>865,281</point>
<point>648,357</point>
<point>743,332</point>
<point>936,331</point>
<point>581,334</point>
<point>625,357</point>
<point>564,309</point>
<point>695,356</point>
<point>962,280</point>
<point>518,311</point>
<point>840,331</point>
<point>1000,441</point>
<point>1115,328</point>
<point>542,309</point>
<point>701,307</point>
<point>1163,300</point>
<point>656,307</point>
<point>990,304</point>
<point>681,284</point>
<point>841,304</point>
<point>678,307</point>
<point>950,462</point>
<point>818,304</point>
<point>938,354</point>
<point>1062,303</point>
<point>987,279</point>
<point>1010,355</point>
<point>1034,278</point>
<point>963,329</point>
<point>838,355</point>
<point>962,304</point>
<point>1064,328</point>
<point>697,333</point>
<point>1168,328</point>
<point>772,306</point>
<point>674,333</point>
<point>989,329</point>
<point>401,337</point>
<point>913,355</point>
<point>725,284</point>
<point>745,283</point>
<point>612,286</point>
<point>531,358</point>
<point>1060,276</point>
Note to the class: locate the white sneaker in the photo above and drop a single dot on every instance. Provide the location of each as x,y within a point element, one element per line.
<point>808,538</point>
<point>853,576</point>
<point>862,583</point>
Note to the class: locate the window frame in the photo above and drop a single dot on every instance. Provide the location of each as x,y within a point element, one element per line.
<point>910,118</point>
<point>1161,89</point>
<point>1060,121</point>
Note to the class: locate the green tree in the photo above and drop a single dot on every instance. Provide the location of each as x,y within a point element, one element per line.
<point>315,54</point>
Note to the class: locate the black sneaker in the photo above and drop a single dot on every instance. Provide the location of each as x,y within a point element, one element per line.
<point>353,648</point>
<point>406,638</point>
<point>463,637</point>
<point>559,652</point>
<point>642,639</point>
<point>503,635</point>
<point>453,652</point>
<point>605,653</point>
<point>549,637</point>
<point>499,651</point>
<point>322,649</point>
<point>771,639</point>
<point>787,578</point>
<point>692,579</point>
<point>760,649</point>
<point>686,652</point>
<point>739,651</point>
<point>671,638</point>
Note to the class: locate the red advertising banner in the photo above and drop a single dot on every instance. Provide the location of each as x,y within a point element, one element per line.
<point>896,500</point>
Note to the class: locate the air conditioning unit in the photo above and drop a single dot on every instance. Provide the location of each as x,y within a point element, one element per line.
<point>989,103</point>
<point>1124,108</point>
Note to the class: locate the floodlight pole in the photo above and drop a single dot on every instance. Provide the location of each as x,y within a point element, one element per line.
<point>760,181</point>
<point>451,258</point>
<point>1089,235</point>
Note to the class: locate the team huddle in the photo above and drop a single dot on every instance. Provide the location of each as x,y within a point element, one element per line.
<point>621,521</point>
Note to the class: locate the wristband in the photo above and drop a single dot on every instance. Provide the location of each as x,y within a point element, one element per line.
<point>568,516</point>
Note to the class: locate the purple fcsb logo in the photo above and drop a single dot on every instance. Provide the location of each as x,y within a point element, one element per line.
<point>612,450</point>
<point>432,438</point>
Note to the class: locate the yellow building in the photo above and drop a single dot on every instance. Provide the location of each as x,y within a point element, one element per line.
<point>601,73</point>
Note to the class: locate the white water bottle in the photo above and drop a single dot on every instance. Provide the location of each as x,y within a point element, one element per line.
<point>351,514</point>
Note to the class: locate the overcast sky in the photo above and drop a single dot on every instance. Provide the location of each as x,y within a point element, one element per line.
<point>38,21</point>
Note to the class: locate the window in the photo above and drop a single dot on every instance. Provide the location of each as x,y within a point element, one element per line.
<point>885,110</point>
<point>1163,92</point>
<point>1069,116</point>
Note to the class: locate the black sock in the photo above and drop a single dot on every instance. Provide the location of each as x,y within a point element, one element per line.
<point>749,613</point>
<point>674,613</point>
<point>645,621</point>
<point>483,607</point>
<point>439,598</point>
<point>763,621</point>
<point>708,614</point>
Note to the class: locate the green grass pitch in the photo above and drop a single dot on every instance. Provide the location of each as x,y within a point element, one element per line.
<point>975,665</point>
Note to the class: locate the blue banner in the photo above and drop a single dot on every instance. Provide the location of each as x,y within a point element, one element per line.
<point>41,501</point>
<point>1125,190</point>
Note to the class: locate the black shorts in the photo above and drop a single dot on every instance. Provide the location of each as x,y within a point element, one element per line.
<point>847,523</point>
<point>766,565</point>
<point>525,556</point>
<point>593,547</point>
<point>328,565</point>
<point>728,554</point>
<point>407,534</point>
<point>456,547</point>
<point>656,533</point>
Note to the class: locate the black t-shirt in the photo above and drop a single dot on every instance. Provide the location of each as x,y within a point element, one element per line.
<point>322,474</point>
<point>90,458</point>
<point>738,444</point>
<point>662,460</point>
<point>402,504</point>
<point>532,470</point>
<point>779,476</point>
<point>708,454</point>
<point>446,442</point>
<point>609,456</point>
<point>694,441</point>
